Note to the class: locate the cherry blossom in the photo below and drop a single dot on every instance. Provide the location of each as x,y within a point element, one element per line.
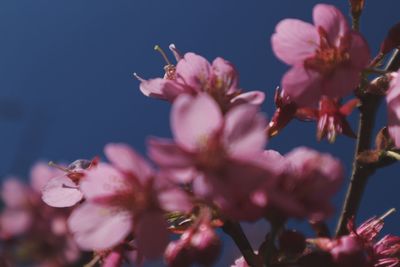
<point>193,74</point>
<point>221,156</point>
<point>122,198</point>
<point>32,226</point>
<point>326,58</point>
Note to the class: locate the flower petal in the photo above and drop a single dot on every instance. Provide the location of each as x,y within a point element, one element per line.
<point>102,181</point>
<point>302,86</point>
<point>226,73</point>
<point>332,21</point>
<point>359,51</point>
<point>244,131</point>
<point>162,88</point>
<point>294,40</point>
<point>168,154</point>
<point>97,227</point>
<point>40,174</point>
<point>14,193</point>
<point>193,71</point>
<point>15,222</point>
<point>61,192</point>
<point>252,97</point>
<point>193,119</point>
<point>127,160</point>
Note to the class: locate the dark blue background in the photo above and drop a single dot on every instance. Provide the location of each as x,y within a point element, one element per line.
<point>66,85</point>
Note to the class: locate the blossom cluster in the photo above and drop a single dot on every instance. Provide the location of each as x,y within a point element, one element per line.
<point>217,171</point>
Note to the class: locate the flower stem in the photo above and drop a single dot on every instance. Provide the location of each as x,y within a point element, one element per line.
<point>361,172</point>
<point>235,231</point>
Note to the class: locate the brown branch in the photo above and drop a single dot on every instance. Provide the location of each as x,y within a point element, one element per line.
<point>235,231</point>
<point>361,172</point>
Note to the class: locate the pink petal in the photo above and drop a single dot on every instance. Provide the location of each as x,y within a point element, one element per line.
<point>193,71</point>
<point>102,181</point>
<point>174,199</point>
<point>97,227</point>
<point>127,160</point>
<point>152,235</point>
<point>15,222</point>
<point>114,259</point>
<point>61,192</point>
<point>294,41</point>
<point>244,131</point>
<point>394,88</point>
<point>40,174</point>
<point>162,89</point>
<point>359,51</point>
<point>302,86</point>
<point>394,123</point>
<point>226,72</point>
<point>332,21</point>
<point>253,97</point>
<point>14,193</point>
<point>167,154</point>
<point>342,82</point>
<point>193,119</point>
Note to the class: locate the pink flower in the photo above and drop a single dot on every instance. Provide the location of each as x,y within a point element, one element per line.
<point>194,74</point>
<point>306,187</point>
<point>331,117</point>
<point>33,227</point>
<point>393,103</point>
<point>198,244</point>
<point>360,248</point>
<point>63,190</point>
<point>326,58</point>
<point>387,251</point>
<point>16,218</point>
<point>122,198</point>
<point>346,251</point>
<point>215,153</point>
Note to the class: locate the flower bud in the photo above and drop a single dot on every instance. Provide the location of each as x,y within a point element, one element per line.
<point>356,7</point>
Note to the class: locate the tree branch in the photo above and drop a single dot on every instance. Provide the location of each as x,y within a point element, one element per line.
<point>361,172</point>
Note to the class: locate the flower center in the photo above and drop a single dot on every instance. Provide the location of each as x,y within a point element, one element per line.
<point>328,56</point>
<point>212,154</point>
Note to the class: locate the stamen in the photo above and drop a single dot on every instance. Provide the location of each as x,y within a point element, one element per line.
<point>389,212</point>
<point>138,77</point>
<point>175,51</point>
<point>54,165</point>
<point>158,48</point>
<point>93,262</point>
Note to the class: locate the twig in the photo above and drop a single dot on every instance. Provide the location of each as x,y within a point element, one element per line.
<point>361,172</point>
<point>235,231</point>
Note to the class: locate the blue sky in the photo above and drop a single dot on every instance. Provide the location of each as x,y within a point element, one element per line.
<point>66,84</point>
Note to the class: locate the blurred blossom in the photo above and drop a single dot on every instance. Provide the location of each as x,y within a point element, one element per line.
<point>31,230</point>
<point>122,198</point>
<point>222,157</point>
